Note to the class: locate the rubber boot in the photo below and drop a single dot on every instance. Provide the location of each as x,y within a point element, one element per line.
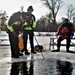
<point>26,52</point>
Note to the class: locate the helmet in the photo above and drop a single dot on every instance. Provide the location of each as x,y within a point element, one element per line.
<point>30,7</point>
<point>65,20</point>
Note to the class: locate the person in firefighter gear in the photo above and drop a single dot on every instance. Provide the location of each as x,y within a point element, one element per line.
<point>28,28</point>
<point>65,31</point>
<point>14,27</point>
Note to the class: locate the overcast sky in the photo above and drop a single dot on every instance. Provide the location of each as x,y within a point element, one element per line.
<point>11,6</point>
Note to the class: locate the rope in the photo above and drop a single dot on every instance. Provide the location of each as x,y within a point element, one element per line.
<point>41,50</point>
<point>1,41</point>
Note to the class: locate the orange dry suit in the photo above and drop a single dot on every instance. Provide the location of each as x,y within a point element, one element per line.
<point>65,30</point>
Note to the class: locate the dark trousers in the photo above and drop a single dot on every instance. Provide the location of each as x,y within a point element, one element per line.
<point>68,40</point>
<point>14,45</point>
<point>25,37</point>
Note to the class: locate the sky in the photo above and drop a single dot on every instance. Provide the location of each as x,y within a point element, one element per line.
<point>11,6</point>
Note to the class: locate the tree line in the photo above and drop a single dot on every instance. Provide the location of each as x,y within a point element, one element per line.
<point>46,23</point>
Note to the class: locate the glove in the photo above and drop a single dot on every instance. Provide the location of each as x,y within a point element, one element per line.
<point>56,35</point>
<point>71,36</point>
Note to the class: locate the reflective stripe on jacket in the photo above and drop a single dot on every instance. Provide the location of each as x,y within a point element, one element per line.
<point>11,27</point>
<point>26,27</point>
<point>16,23</point>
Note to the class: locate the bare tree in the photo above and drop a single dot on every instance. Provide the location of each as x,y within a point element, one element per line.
<point>21,8</point>
<point>3,18</point>
<point>54,6</point>
<point>70,11</point>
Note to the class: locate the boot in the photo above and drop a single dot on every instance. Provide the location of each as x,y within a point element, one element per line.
<point>33,52</point>
<point>70,51</point>
<point>20,54</point>
<point>13,55</point>
<point>27,53</point>
<point>58,50</point>
<point>67,49</point>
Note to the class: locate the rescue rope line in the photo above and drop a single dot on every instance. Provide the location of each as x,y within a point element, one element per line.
<point>41,50</point>
<point>1,41</point>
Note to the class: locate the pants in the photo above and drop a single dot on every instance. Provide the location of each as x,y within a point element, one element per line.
<point>25,37</point>
<point>68,40</point>
<point>14,45</point>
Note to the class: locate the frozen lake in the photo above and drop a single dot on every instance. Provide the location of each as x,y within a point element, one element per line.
<point>56,63</point>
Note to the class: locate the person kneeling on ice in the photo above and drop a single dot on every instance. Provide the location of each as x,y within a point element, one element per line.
<point>65,31</point>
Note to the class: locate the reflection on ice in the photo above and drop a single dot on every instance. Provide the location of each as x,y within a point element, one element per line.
<point>59,63</point>
<point>47,66</point>
<point>64,67</point>
<point>22,68</point>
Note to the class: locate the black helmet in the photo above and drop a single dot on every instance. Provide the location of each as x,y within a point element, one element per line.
<point>30,7</point>
<point>66,19</point>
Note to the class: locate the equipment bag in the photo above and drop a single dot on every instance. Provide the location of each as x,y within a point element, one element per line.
<point>21,45</point>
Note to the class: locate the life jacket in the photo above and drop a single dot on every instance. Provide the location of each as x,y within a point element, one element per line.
<point>30,22</point>
<point>64,33</point>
